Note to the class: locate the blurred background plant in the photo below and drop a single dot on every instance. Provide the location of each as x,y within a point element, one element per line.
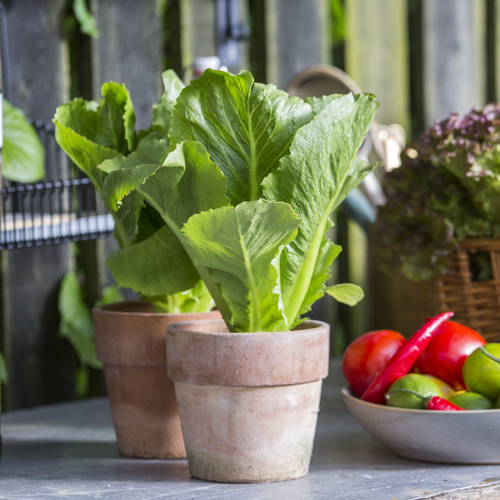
<point>447,190</point>
<point>76,326</point>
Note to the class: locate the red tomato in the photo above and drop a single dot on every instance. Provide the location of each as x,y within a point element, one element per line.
<point>447,351</point>
<point>365,357</point>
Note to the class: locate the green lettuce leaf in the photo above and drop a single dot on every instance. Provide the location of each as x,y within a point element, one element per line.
<point>163,265</point>
<point>314,179</point>
<point>346,293</point>
<point>23,155</point>
<point>91,132</point>
<point>239,247</point>
<point>185,184</point>
<point>100,138</point>
<point>162,111</point>
<point>193,300</point>
<point>245,126</point>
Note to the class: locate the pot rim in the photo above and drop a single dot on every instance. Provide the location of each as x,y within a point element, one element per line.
<point>196,354</point>
<point>184,326</point>
<point>138,308</point>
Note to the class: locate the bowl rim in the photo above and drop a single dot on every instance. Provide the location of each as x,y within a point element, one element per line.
<point>348,394</point>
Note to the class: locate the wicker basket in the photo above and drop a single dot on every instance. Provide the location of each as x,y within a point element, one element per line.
<point>475,303</point>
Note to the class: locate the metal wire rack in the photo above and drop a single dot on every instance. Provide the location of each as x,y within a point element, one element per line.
<point>63,207</point>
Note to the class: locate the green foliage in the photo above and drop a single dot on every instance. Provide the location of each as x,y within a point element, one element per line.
<point>76,321</point>
<point>84,17</point>
<point>346,293</point>
<point>447,190</point>
<point>76,324</point>
<point>3,370</point>
<point>240,247</point>
<point>101,139</point>
<point>23,155</point>
<point>338,25</point>
<point>285,164</point>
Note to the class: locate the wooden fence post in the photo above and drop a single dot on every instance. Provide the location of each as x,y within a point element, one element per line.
<point>40,366</point>
<point>128,50</point>
<point>377,55</point>
<point>454,59</point>
<point>295,37</point>
<point>377,59</point>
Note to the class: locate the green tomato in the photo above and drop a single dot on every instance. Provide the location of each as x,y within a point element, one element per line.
<point>481,371</point>
<point>412,391</point>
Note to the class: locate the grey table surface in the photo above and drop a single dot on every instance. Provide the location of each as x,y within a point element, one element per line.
<point>69,451</point>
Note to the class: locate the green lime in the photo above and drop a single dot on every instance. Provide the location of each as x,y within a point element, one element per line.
<point>411,391</point>
<point>446,389</point>
<point>481,371</point>
<point>472,401</point>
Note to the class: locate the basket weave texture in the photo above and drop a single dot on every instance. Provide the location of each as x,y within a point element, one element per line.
<point>476,303</point>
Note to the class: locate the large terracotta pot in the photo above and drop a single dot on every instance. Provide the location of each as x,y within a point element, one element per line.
<point>248,401</point>
<point>130,342</point>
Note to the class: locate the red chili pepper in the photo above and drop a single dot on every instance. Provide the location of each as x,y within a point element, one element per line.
<point>403,360</point>
<point>437,403</point>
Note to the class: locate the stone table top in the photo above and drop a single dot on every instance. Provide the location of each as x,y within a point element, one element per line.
<point>69,450</point>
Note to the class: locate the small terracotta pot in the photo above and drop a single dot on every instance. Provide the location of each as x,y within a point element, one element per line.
<point>248,401</point>
<point>130,342</point>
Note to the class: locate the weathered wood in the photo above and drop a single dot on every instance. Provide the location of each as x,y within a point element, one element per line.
<point>377,52</point>
<point>128,51</point>
<point>454,60</point>
<point>296,37</point>
<point>376,57</point>
<point>198,35</point>
<point>40,364</point>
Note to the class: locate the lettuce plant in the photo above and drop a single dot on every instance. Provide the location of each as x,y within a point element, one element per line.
<point>447,190</point>
<point>91,132</point>
<point>247,190</point>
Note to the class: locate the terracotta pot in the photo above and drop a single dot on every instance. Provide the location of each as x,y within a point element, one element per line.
<point>130,342</point>
<point>248,401</point>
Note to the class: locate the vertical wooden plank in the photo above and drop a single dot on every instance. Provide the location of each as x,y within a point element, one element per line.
<point>171,41</point>
<point>257,46</point>
<point>454,42</point>
<point>377,54</point>
<point>296,38</point>
<point>198,34</point>
<point>41,366</point>
<point>128,51</point>
<point>377,59</point>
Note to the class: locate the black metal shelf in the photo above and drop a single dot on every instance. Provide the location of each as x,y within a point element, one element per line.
<point>64,207</point>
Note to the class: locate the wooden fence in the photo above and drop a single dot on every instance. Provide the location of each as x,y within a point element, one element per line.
<point>422,58</point>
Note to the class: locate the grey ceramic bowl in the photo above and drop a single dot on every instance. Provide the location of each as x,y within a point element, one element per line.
<point>454,437</point>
